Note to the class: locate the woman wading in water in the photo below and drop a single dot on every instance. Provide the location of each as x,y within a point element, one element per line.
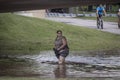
<point>61,48</point>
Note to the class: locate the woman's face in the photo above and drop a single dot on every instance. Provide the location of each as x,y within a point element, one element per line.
<point>59,34</point>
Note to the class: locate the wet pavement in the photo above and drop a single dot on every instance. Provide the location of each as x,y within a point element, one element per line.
<point>111,27</point>
<point>78,64</point>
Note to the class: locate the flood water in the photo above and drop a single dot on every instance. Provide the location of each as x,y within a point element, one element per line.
<point>78,64</point>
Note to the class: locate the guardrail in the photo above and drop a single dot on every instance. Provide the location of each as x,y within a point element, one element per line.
<point>60,15</point>
<point>75,15</point>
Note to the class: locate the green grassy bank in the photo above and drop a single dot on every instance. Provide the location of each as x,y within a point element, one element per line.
<point>24,35</point>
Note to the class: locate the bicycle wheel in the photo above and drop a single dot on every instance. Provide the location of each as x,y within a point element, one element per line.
<point>98,23</point>
<point>101,24</point>
<point>118,25</point>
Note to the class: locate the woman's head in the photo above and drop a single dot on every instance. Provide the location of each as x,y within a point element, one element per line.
<point>59,33</point>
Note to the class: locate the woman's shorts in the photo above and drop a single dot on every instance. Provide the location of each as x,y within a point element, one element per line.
<point>63,53</point>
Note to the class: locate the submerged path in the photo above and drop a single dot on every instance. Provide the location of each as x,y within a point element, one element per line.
<point>78,64</point>
<point>111,27</point>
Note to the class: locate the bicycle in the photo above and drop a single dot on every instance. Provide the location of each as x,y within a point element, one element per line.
<point>100,23</point>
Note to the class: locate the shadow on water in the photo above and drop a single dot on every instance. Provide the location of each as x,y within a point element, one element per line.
<point>101,64</point>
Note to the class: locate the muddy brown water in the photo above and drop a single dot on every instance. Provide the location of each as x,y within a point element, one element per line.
<point>78,64</point>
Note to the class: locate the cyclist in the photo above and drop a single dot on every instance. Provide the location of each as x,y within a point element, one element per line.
<point>100,10</point>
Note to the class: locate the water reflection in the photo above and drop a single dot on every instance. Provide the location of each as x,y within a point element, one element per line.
<point>60,71</point>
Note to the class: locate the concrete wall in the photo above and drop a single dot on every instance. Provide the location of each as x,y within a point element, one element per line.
<point>38,13</point>
<point>33,13</point>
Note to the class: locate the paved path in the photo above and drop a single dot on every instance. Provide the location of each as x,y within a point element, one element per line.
<point>108,26</point>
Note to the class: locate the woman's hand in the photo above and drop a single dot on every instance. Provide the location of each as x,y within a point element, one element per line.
<point>58,49</point>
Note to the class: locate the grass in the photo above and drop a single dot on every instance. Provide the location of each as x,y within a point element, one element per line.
<point>25,35</point>
<point>109,19</point>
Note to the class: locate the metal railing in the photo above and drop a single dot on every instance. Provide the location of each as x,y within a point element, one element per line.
<point>75,15</point>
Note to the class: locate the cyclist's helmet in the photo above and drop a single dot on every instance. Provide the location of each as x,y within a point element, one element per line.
<point>100,5</point>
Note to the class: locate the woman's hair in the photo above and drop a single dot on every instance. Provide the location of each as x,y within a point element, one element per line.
<point>59,31</point>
